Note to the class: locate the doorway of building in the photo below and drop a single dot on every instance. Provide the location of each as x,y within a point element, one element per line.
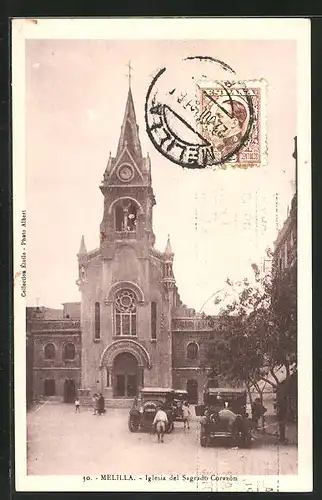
<point>192,390</point>
<point>125,376</point>
<point>50,388</point>
<point>69,391</point>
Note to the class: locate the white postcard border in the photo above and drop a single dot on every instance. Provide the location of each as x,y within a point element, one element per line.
<point>298,29</point>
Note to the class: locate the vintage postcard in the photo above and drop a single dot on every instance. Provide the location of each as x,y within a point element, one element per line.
<point>162,254</point>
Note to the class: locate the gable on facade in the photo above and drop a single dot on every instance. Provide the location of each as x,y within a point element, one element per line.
<point>126,171</point>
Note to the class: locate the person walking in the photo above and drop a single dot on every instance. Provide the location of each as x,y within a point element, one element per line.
<point>186,414</point>
<point>160,423</point>
<point>101,404</point>
<point>77,405</point>
<point>258,410</point>
<point>95,401</point>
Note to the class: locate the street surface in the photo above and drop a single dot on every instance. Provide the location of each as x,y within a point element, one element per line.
<point>61,442</point>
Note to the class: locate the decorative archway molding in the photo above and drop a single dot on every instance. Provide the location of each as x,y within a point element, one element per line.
<point>190,344</point>
<point>121,285</point>
<point>125,345</point>
<point>141,211</point>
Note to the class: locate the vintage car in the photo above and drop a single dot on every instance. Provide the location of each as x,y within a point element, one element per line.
<point>145,406</point>
<point>179,397</point>
<point>213,428</point>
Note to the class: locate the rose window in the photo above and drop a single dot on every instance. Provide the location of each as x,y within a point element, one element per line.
<point>125,301</point>
<point>125,312</point>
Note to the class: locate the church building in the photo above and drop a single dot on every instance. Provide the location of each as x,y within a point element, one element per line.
<point>131,329</point>
<point>126,285</point>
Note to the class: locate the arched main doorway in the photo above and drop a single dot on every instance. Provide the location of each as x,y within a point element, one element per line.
<point>125,376</point>
<point>69,391</point>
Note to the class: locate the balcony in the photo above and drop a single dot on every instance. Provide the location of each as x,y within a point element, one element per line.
<point>125,235</point>
<point>190,324</point>
<point>43,326</point>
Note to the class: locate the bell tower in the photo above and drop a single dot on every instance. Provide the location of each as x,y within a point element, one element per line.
<point>128,286</point>
<point>127,190</point>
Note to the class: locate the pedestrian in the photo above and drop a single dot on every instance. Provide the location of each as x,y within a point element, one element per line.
<point>95,401</point>
<point>159,423</point>
<point>101,404</point>
<point>226,415</point>
<point>282,417</point>
<point>258,410</point>
<point>77,405</point>
<point>234,421</point>
<point>186,414</point>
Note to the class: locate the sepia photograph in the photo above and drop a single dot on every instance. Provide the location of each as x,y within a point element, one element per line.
<point>162,228</point>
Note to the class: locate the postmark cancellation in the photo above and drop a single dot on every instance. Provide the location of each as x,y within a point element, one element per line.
<point>198,121</point>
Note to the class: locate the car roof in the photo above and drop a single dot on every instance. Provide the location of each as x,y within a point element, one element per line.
<point>157,390</point>
<point>228,390</point>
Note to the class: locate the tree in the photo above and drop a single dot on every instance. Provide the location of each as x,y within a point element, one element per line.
<point>259,337</point>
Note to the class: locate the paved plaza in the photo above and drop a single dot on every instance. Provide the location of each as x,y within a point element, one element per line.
<point>61,442</point>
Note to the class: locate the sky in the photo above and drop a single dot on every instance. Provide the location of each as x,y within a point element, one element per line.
<point>219,221</point>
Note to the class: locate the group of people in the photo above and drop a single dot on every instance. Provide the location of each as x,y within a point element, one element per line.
<point>98,404</point>
<point>234,421</point>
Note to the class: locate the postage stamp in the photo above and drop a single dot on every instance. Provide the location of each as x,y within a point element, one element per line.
<point>232,119</point>
<point>198,123</point>
<point>161,343</point>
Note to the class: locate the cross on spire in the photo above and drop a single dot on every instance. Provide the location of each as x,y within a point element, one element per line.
<point>129,73</point>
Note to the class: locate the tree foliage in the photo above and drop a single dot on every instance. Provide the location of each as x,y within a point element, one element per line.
<point>258,332</point>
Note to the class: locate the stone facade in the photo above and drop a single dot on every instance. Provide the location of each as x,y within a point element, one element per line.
<point>285,251</point>
<point>194,336</point>
<point>53,357</point>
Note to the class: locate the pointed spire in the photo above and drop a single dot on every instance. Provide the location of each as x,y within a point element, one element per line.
<point>129,74</point>
<point>168,279</point>
<point>168,249</point>
<point>82,248</point>
<point>129,132</point>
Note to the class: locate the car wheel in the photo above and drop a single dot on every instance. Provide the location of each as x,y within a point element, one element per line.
<point>134,425</point>
<point>203,441</point>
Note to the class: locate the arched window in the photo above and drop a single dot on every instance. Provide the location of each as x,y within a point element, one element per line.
<point>97,333</point>
<point>153,320</point>
<point>125,313</point>
<point>69,351</point>
<point>50,351</point>
<point>192,350</point>
<point>125,215</point>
